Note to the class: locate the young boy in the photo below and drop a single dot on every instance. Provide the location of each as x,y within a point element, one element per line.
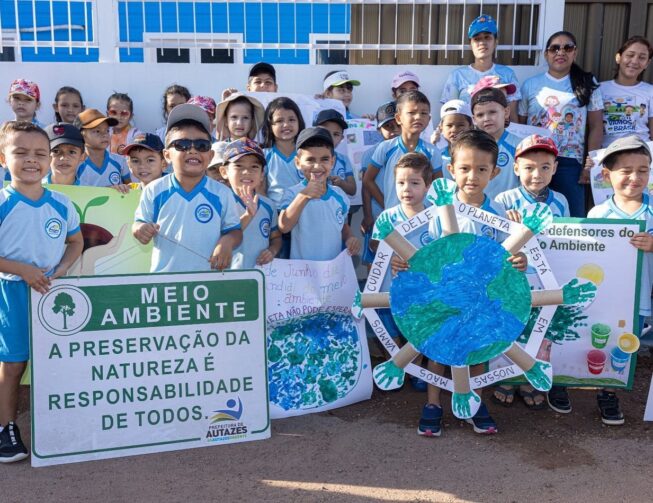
<point>535,165</point>
<point>262,79</point>
<point>193,219</point>
<point>490,109</point>
<point>455,117</point>
<point>27,259</point>
<point>314,210</point>
<point>244,162</point>
<point>145,159</point>
<point>66,153</point>
<point>101,168</point>
<point>473,164</point>
<point>343,172</point>
<point>626,164</point>
<point>413,115</point>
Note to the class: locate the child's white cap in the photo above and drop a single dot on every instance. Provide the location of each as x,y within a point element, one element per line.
<point>452,107</point>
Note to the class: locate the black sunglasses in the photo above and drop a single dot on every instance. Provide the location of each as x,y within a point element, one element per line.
<point>555,48</point>
<point>184,145</point>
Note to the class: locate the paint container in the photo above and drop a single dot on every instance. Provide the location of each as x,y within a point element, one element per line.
<point>628,343</point>
<point>600,335</point>
<point>618,359</point>
<point>595,361</point>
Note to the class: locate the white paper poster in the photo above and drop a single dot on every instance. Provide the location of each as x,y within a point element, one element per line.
<point>317,351</point>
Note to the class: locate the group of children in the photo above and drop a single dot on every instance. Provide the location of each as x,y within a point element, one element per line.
<point>275,188</point>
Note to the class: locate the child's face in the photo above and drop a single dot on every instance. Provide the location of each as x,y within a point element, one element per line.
<point>119,110</point>
<point>390,130</point>
<point>629,175</point>
<point>68,106</point>
<point>174,99</point>
<point>413,117</point>
<point>285,124</point>
<point>344,93</point>
<point>491,117</point>
<point>239,120</point>
<point>404,88</point>
<point>336,131</point>
<point>315,163</point>
<point>454,124</point>
<point>262,83</point>
<point>483,45</point>
<point>65,159</point>
<point>535,170</point>
<point>472,171</point>
<point>411,188</point>
<point>191,163</point>
<point>23,106</point>
<point>97,138</point>
<point>145,164</point>
<point>214,172</point>
<point>27,157</point>
<point>244,172</point>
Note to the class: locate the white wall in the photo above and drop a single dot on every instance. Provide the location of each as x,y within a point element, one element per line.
<point>146,82</point>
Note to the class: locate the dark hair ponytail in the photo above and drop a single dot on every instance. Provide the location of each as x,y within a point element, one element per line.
<point>582,83</point>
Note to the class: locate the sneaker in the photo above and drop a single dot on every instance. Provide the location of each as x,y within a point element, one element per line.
<point>483,422</point>
<point>11,446</point>
<point>418,384</point>
<point>430,424</point>
<point>558,399</point>
<point>609,406</point>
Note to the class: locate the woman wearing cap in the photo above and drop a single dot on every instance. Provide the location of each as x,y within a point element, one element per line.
<point>566,101</point>
<point>482,34</point>
<point>338,86</point>
<point>628,90</point>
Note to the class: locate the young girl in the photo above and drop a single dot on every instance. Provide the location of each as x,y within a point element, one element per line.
<point>627,99</point>
<point>239,117</point>
<point>68,103</point>
<point>121,107</point>
<point>173,95</point>
<point>338,86</point>
<point>25,99</point>
<point>283,122</point>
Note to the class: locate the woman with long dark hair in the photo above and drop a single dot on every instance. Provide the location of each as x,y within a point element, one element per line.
<point>566,100</point>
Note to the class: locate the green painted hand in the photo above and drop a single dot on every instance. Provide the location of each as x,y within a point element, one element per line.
<point>538,218</point>
<point>576,292</point>
<point>540,375</point>
<point>382,227</point>
<point>444,191</point>
<point>388,376</point>
<point>357,306</point>
<point>465,405</point>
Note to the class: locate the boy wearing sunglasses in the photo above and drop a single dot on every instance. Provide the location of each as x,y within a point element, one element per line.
<point>193,220</point>
<point>101,168</point>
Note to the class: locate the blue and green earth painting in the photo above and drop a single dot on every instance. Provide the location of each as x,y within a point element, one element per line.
<point>461,302</point>
<point>313,360</point>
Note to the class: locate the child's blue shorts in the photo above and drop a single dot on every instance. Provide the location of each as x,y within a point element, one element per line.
<point>14,329</point>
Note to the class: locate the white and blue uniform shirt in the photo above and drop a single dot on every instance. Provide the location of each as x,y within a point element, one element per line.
<point>461,82</point>
<point>318,232</point>
<point>466,224</point>
<point>342,167</point>
<point>256,236</point>
<point>386,156</point>
<point>4,175</point>
<point>50,220</point>
<point>195,219</point>
<point>609,209</point>
<point>113,171</point>
<point>281,173</point>
<point>550,103</point>
<point>626,110</point>
<point>516,199</point>
<point>47,179</point>
<point>366,160</point>
<point>506,179</point>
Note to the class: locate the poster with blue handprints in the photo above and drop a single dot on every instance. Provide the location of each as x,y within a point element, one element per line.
<point>317,352</point>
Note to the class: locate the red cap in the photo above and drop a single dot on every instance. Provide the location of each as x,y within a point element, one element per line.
<point>536,142</point>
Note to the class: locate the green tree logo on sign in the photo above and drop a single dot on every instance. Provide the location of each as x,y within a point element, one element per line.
<point>64,304</point>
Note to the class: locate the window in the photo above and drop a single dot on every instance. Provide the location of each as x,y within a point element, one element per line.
<point>216,56</point>
<point>173,55</point>
<point>7,54</point>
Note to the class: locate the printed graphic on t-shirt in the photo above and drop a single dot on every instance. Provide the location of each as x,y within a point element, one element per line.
<point>563,118</point>
<point>622,113</point>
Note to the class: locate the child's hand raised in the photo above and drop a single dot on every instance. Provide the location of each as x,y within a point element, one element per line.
<point>250,199</point>
<point>519,261</point>
<point>353,245</point>
<point>35,278</point>
<point>144,232</point>
<point>642,241</point>
<point>315,188</point>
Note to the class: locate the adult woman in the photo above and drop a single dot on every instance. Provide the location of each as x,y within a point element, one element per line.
<point>567,102</point>
<point>627,101</point>
<point>482,34</point>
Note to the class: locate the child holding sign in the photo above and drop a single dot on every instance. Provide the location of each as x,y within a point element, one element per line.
<point>27,259</point>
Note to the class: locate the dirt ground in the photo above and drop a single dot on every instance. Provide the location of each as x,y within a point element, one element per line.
<point>370,452</point>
